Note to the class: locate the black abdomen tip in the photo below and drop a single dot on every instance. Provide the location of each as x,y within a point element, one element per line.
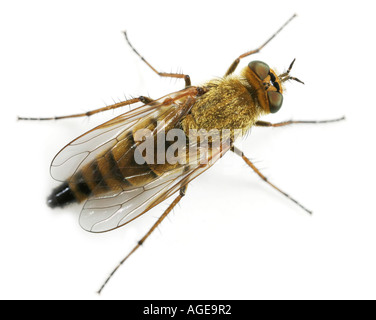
<point>61,196</point>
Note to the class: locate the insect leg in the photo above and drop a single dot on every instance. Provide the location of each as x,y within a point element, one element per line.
<point>237,60</point>
<point>249,163</point>
<point>186,77</point>
<point>285,123</point>
<point>139,243</point>
<point>142,99</point>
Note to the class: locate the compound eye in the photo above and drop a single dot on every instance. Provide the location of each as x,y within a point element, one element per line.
<point>260,68</point>
<point>275,101</point>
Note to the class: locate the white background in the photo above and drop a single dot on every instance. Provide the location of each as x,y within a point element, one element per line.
<point>232,236</point>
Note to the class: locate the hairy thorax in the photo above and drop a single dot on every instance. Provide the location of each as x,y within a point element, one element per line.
<point>230,103</point>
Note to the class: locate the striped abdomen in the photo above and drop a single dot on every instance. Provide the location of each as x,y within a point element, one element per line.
<point>113,170</point>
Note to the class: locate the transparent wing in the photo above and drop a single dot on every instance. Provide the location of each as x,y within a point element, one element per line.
<point>87,147</point>
<point>108,212</point>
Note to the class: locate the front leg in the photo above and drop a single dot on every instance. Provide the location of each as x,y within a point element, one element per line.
<point>286,123</point>
<point>234,65</point>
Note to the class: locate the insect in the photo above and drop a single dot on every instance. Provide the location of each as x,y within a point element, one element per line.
<point>101,168</point>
